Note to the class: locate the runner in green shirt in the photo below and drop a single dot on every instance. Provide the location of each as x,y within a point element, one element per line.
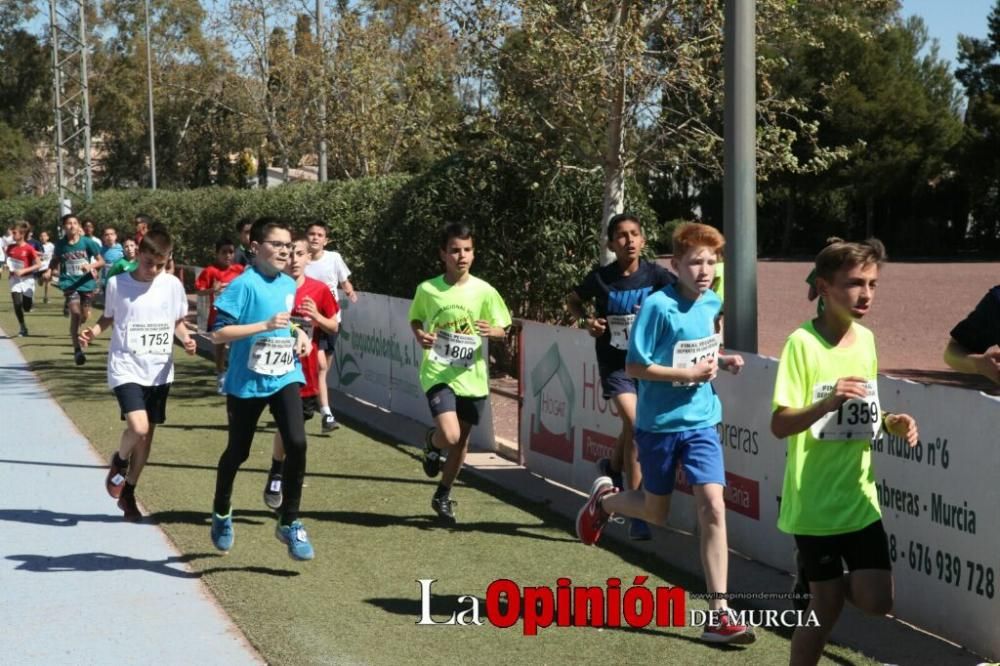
<point>826,404</point>
<point>448,316</point>
<point>77,258</point>
<point>127,263</point>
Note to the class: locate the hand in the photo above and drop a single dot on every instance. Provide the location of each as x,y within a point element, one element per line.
<point>733,363</point>
<point>303,345</point>
<point>903,426</point>
<point>353,297</point>
<point>190,346</point>
<point>24,271</point>
<point>85,337</point>
<point>704,371</point>
<point>308,306</point>
<point>425,339</point>
<point>597,326</point>
<point>279,320</point>
<point>846,388</point>
<point>988,365</point>
<point>484,328</point>
<point>219,286</point>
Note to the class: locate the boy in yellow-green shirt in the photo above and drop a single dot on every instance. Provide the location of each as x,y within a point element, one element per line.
<point>448,316</point>
<point>826,404</point>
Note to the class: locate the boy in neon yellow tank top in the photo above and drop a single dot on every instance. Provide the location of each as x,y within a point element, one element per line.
<point>449,315</point>
<point>826,404</point>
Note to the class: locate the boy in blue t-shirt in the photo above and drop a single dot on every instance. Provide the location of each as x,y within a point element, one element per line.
<point>674,353</point>
<point>264,371</point>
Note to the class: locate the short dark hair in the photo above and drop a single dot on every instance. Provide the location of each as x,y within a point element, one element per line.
<point>157,242</point>
<point>67,216</point>
<point>223,242</point>
<point>618,219</point>
<point>109,226</point>
<point>839,254</point>
<point>142,217</point>
<point>300,236</point>
<point>458,230</point>
<point>319,223</point>
<point>242,223</point>
<point>264,225</point>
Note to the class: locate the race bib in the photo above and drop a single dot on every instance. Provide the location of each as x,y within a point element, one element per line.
<point>689,353</point>
<point>74,267</point>
<point>149,338</point>
<point>856,419</point>
<point>14,264</point>
<point>620,327</point>
<point>307,325</point>
<point>454,349</point>
<point>272,356</point>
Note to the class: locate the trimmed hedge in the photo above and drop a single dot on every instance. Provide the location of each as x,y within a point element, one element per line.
<point>534,239</point>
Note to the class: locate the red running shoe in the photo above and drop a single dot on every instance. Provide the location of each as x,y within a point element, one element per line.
<point>725,630</point>
<point>115,480</point>
<point>591,519</point>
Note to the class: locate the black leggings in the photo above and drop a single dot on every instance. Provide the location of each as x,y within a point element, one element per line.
<point>243,413</point>
<point>22,304</point>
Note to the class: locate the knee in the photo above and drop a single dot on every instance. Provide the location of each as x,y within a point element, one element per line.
<point>450,437</point>
<point>712,511</point>
<point>140,430</point>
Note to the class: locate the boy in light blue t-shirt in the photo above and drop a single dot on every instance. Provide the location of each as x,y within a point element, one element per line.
<point>264,371</point>
<point>674,353</point>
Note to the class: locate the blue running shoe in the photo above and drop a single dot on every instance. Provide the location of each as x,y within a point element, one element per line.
<point>222,531</point>
<point>295,537</point>
<point>638,530</point>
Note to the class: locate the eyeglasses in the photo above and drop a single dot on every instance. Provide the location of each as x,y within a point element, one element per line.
<point>277,245</point>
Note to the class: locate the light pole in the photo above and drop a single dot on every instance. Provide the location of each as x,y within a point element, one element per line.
<point>149,96</point>
<point>322,92</point>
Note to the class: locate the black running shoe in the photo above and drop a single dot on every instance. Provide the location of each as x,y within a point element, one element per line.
<point>444,507</point>
<point>272,492</point>
<point>433,458</point>
<point>329,423</point>
<point>79,357</point>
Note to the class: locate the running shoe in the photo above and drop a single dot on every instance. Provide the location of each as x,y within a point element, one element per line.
<point>115,479</point>
<point>591,518</point>
<point>604,465</point>
<point>272,492</point>
<point>127,504</point>
<point>79,357</point>
<point>23,332</point>
<point>638,530</point>
<point>329,423</point>
<point>800,588</point>
<point>433,458</point>
<point>294,536</point>
<point>222,531</point>
<point>444,507</point>
<point>725,630</point>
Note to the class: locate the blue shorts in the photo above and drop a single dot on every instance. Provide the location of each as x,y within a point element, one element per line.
<point>615,382</point>
<point>699,452</point>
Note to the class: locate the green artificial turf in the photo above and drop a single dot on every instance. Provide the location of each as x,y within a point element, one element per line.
<point>366,507</point>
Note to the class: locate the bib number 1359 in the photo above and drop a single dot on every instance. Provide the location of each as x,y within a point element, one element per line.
<point>855,419</point>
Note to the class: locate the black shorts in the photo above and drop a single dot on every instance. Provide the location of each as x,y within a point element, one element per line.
<point>310,406</point>
<point>150,399</point>
<point>442,399</point>
<point>615,381</point>
<point>327,341</point>
<point>84,298</point>
<point>824,557</point>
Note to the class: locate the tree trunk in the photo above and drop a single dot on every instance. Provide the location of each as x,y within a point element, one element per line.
<point>614,158</point>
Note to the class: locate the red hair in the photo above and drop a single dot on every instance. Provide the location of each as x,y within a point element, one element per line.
<point>691,235</point>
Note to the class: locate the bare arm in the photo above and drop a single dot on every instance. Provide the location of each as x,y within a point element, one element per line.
<point>425,339</point>
<point>986,364</point>
<point>88,334</point>
<point>348,288</point>
<point>235,332</point>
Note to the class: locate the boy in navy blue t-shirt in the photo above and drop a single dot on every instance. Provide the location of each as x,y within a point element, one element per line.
<point>618,291</point>
<point>264,371</point>
<point>674,352</point>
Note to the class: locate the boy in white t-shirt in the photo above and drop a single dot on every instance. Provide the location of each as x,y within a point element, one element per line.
<point>329,268</point>
<point>146,309</point>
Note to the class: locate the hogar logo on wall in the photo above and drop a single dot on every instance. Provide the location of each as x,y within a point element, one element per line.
<point>552,419</point>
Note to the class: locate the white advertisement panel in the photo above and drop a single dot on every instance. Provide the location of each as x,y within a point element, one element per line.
<point>939,499</point>
<point>377,360</point>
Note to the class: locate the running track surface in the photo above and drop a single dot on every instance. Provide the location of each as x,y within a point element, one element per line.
<point>80,585</point>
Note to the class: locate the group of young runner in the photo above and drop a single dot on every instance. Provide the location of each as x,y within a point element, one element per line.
<point>658,345</point>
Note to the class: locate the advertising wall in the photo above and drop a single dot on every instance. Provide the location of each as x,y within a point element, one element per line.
<point>377,360</point>
<point>939,499</point>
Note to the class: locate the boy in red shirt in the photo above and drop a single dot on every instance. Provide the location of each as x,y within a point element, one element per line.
<point>211,281</point>
<point>315,312</point>
<point>22,262</point>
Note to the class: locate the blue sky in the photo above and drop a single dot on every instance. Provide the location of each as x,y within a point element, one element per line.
<point>946,19</point>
